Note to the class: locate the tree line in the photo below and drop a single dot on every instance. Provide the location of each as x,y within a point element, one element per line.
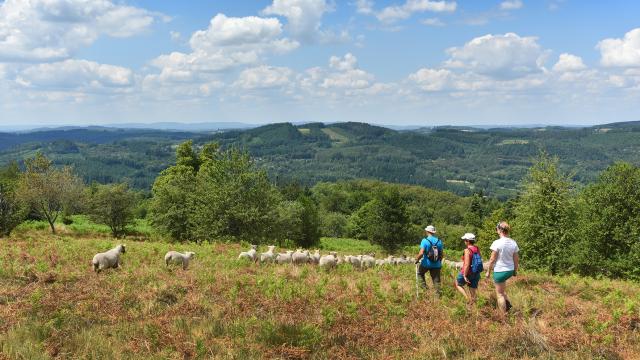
<point>211,193</point>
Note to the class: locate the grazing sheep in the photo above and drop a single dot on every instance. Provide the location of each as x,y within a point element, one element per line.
<point>180,258</point>
<point>300,257</point>
<point>315,258</point>
<point>353,260</point>
<point>328,261</point>
<point>268,256</point>
<point>380,262</point>
<point>367,261</point>
<point>454,264</point>
<point>283,258</point>
<point>108,259</point>
<point>249,255</point>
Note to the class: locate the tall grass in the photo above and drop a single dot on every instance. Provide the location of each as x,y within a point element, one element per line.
<point>53,306</point>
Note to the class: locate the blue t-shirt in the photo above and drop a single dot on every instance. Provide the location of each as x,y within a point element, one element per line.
<point>424,244</point>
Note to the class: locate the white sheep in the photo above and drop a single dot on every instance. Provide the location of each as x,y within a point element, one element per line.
<point>249,255</point>
<point>328,261</point>
<point>179,258</point>
<point>300,257</point>
<point>283,258</point>
<point>367,261</point>
<point>108,259</point>
<point>353,260</point>
<point>315,258</point>
<point>268,256</point>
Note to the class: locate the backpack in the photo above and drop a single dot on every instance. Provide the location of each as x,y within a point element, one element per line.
<point>476,262</point>
<point>434,254</point>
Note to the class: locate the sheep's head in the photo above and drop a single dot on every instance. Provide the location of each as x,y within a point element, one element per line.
<point>122,249</point>
<point>254,247</point>
<point>190,254</point>
<point>271,247</point>
<point>333,253</point>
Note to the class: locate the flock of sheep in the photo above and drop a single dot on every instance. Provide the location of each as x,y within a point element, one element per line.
<point>111,258</point>
<point>326,261</point>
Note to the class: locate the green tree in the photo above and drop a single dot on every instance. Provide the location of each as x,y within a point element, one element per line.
<point>310,222</point>
<point>609,225</point>
<point>172,205</point>
<point>12,211</point>
<point>48,191</point>
<point>233,198</point>
<point>113,205</point>
<point>333,224</point>
<point>386,221</point>
<point>544,217</point>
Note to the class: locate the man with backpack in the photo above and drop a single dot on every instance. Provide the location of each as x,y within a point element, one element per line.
<point>430,259</point>
<point>471,268</point>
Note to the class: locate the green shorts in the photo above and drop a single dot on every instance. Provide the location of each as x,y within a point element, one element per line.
<point>502,276</point>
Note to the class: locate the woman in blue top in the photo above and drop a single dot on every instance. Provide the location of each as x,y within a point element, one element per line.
<point>433,266</point>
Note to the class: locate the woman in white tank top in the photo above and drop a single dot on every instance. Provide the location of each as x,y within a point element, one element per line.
<point>504,263</point>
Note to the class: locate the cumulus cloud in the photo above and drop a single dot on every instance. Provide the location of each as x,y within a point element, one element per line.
<point>76,75</point>
<point>346,74</point>
<point>433,22</point>
<point>500,56</point>
<point>623,52</point>
<point>394,13</point>
<point>304,18</point>
<point>364,7</point>
<point>52,30</point>
<point>228,42</point>
<point>511,5</point>
<point>264,77</point>
<point>431,79</point>
<point>567,63</point>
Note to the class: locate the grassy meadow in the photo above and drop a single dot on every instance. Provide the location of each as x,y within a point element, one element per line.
<point>53,306</point>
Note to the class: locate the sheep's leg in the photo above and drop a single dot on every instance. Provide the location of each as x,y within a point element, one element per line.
<point>184,265</point>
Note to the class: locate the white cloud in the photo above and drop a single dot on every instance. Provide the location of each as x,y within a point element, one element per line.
<point>230,31</point>
<point>346,63</point>
<point>399,12</point>
<point>264,77</point>
<point>228,42</point>
<point>567,63</point>
<point>433,22</point>
<point>500,56</point>
<point>51,30</point>
<point>364,7</point>
<point>304,18</point>
<point>431,79</point>
<point>347,74</point>
<point>621,52</point>
<point>76,75</point>
<point>511,5</point>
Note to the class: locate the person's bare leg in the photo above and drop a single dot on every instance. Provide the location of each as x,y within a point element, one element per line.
<point>501,296</point>
<point>473,294</point>
<point>461,290</point>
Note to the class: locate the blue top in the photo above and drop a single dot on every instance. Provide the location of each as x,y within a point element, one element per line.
<point>424,244</point>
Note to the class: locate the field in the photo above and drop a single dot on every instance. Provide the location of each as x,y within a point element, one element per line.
<point>53,306</point>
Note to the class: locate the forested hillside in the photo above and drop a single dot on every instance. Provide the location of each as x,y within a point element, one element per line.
<point>462,160</point>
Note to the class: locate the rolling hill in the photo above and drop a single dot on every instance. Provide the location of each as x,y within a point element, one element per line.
<point>459,159</point>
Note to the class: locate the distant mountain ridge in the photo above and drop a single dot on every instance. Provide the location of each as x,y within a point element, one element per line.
<point>461,159</point>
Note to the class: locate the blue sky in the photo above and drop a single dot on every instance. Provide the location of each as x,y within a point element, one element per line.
<point>400,62</point>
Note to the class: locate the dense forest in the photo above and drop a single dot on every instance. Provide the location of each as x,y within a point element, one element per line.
<point>461,160</point>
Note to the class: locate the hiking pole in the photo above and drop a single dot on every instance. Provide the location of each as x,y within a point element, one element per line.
<point>417,278</point>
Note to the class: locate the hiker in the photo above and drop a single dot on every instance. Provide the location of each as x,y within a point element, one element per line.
<point>430,259</point>
<point>504,255</point>
<point>471,268</point>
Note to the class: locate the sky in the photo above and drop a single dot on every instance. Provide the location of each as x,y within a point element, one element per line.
<point>393,62</point>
